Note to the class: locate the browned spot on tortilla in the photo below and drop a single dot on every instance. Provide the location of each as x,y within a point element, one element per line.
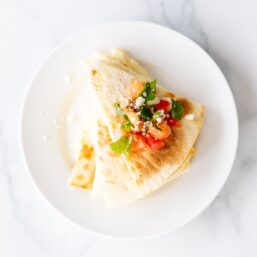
<point>103,134</point>
<point>139,165</point>
<point>86,166</point>
<point>86,152</point>
<point>188,107</point>
<point>93,72</point>
<point>169,94</point>
<point>149,162</point>
<point>80,177</point>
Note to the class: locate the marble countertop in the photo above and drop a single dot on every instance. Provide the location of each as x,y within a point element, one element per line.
<point>30,29</point>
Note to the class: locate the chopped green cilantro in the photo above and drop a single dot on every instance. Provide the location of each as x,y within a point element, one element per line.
<point>126,124</point>
<point>149,91</point>
<point>156,115</point>
<point>122,146</point>
<point>177,110</point>
<point>146,113</point>
<point>118,109</point>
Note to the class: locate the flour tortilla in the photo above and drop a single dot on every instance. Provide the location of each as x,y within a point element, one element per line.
<point>112,177</point>
<point>140,173</point>
<point>83,171</point>
<point>115,183</point>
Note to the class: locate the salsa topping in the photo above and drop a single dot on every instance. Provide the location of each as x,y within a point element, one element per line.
<point>145,119</point>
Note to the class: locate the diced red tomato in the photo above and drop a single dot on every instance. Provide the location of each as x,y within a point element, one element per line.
<point>138,142</point>
<point>136,88</point>
<point>154,144</point>
<point>173,122</point>
<point>161,133</point>
<point>163,105</point>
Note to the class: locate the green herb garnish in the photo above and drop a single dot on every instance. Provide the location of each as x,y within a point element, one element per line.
<point>157,115</point>
<point>122,146</point>
<point>149,91</point>
<point>118,109</point>
<point>126,124</point>
<point>146,113</point>
<point>177,110</point>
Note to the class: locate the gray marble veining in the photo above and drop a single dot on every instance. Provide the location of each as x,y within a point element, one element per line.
<point>225,29</point>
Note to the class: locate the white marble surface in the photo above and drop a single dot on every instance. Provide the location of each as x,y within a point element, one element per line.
<point>30,29</point>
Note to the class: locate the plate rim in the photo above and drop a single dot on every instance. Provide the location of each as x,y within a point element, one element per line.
<point>29,172</point>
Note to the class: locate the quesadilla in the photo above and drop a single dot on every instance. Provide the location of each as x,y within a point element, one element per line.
<point>145,133</point>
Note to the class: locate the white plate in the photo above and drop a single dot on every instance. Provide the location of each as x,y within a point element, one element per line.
<point>178,64</point>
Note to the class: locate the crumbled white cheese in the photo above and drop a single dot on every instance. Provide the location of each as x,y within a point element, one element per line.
<point>133,117</point>
<point>144,94</point>
<point>160,116</point>
<point>156,100</point>
<point>56,124</point>
<point>159,119</point>
<point>148,123</point>
<point>124,102</point>
<point>190,116</point>
<point>139,101</point>
<point>168,99</point>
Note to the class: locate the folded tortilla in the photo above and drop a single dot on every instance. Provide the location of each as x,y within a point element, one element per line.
<point>121,180</point>
<point>111,77</point>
